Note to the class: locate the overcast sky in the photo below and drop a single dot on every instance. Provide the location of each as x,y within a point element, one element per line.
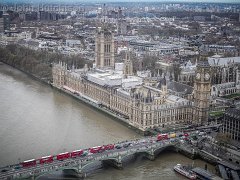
<point>101,1</point>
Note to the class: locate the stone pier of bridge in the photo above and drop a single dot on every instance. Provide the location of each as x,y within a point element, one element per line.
<point>80,165</point>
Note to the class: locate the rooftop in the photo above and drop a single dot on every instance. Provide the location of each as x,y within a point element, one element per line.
<point>229,165</point>
<point>175,99</point>
<point>204,173</point>
<point>233,112</point>
<point>221,61</point>
<point>179,87</point>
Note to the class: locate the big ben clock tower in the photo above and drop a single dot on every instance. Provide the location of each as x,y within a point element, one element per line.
<point>201,96</point>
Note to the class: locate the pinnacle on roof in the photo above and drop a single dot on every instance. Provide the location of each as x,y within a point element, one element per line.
<point>162,82</point>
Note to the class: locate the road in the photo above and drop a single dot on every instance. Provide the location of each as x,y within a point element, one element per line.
<point>138,145</point>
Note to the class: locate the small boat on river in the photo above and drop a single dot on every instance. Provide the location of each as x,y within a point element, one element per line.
<point>185,171</point>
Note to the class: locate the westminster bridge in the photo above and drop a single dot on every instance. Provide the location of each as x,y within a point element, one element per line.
<point>148,147</point>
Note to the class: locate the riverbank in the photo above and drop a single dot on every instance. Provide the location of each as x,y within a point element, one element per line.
<point>52,136</point>
<point>43,81</point>
<point>86,102</point>
<point>101,109</point>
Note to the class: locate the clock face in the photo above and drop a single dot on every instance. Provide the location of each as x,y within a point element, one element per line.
<point>198,76</point>
<point>207,76</point>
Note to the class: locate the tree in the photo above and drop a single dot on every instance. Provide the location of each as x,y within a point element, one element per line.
<point>149,63</point>
<point>37,62</point>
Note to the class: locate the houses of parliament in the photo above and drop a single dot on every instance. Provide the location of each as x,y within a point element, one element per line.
<point>145,104</point>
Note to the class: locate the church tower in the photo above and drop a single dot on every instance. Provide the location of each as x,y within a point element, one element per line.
<point>128,65</point>
<point>104,49</point>
<point>202,90</point>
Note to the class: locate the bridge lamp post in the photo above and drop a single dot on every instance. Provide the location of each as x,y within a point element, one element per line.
<point>79,164</point>
<point>151,149</point>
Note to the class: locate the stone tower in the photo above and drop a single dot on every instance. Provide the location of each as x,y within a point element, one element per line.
<point>162,85</point>
<point>142,109</point>
<point>58,74</point>
<point>104,49</point>
<point>128,65</point>
<point>202,90</point>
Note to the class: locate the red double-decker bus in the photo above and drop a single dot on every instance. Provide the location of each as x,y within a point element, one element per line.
<point>46,159</point>
<point>63,156</point>
<point>162,137</point>
<point>96,149</point>
<point>29,163</point>
<point>108,147</point>
<point>76,153</point>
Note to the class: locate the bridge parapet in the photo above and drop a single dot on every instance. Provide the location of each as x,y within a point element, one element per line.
<point>115,157</point>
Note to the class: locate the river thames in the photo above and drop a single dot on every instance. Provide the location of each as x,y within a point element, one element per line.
<point>36,121</point>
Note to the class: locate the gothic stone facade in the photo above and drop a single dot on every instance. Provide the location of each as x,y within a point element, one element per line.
<point>144,106</point>
<point>202,91</point>
<point>104,49</point>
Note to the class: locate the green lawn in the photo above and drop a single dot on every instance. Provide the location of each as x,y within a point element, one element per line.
<point>231,96</point>
<point>216,113</point>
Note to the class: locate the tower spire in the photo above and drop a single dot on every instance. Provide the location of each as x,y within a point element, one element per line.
<point>201,93</point>
<point>128,65</point>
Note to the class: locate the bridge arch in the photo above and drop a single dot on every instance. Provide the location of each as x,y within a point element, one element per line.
<point>158,150</point>
<point>41,174</point>
<point>114,159</point>
<point>89,163</point>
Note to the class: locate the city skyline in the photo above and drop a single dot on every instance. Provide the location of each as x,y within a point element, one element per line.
<point>123,1</point>
<point>106,73</point>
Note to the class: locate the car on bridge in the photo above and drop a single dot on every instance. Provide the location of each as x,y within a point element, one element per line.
<point>5,169</point>
<point>85,153</point>
<point>127,145</point>
<point>172,135</point>
<point>180,135</point>
<point>118,146</point>
<point>18,166</point>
